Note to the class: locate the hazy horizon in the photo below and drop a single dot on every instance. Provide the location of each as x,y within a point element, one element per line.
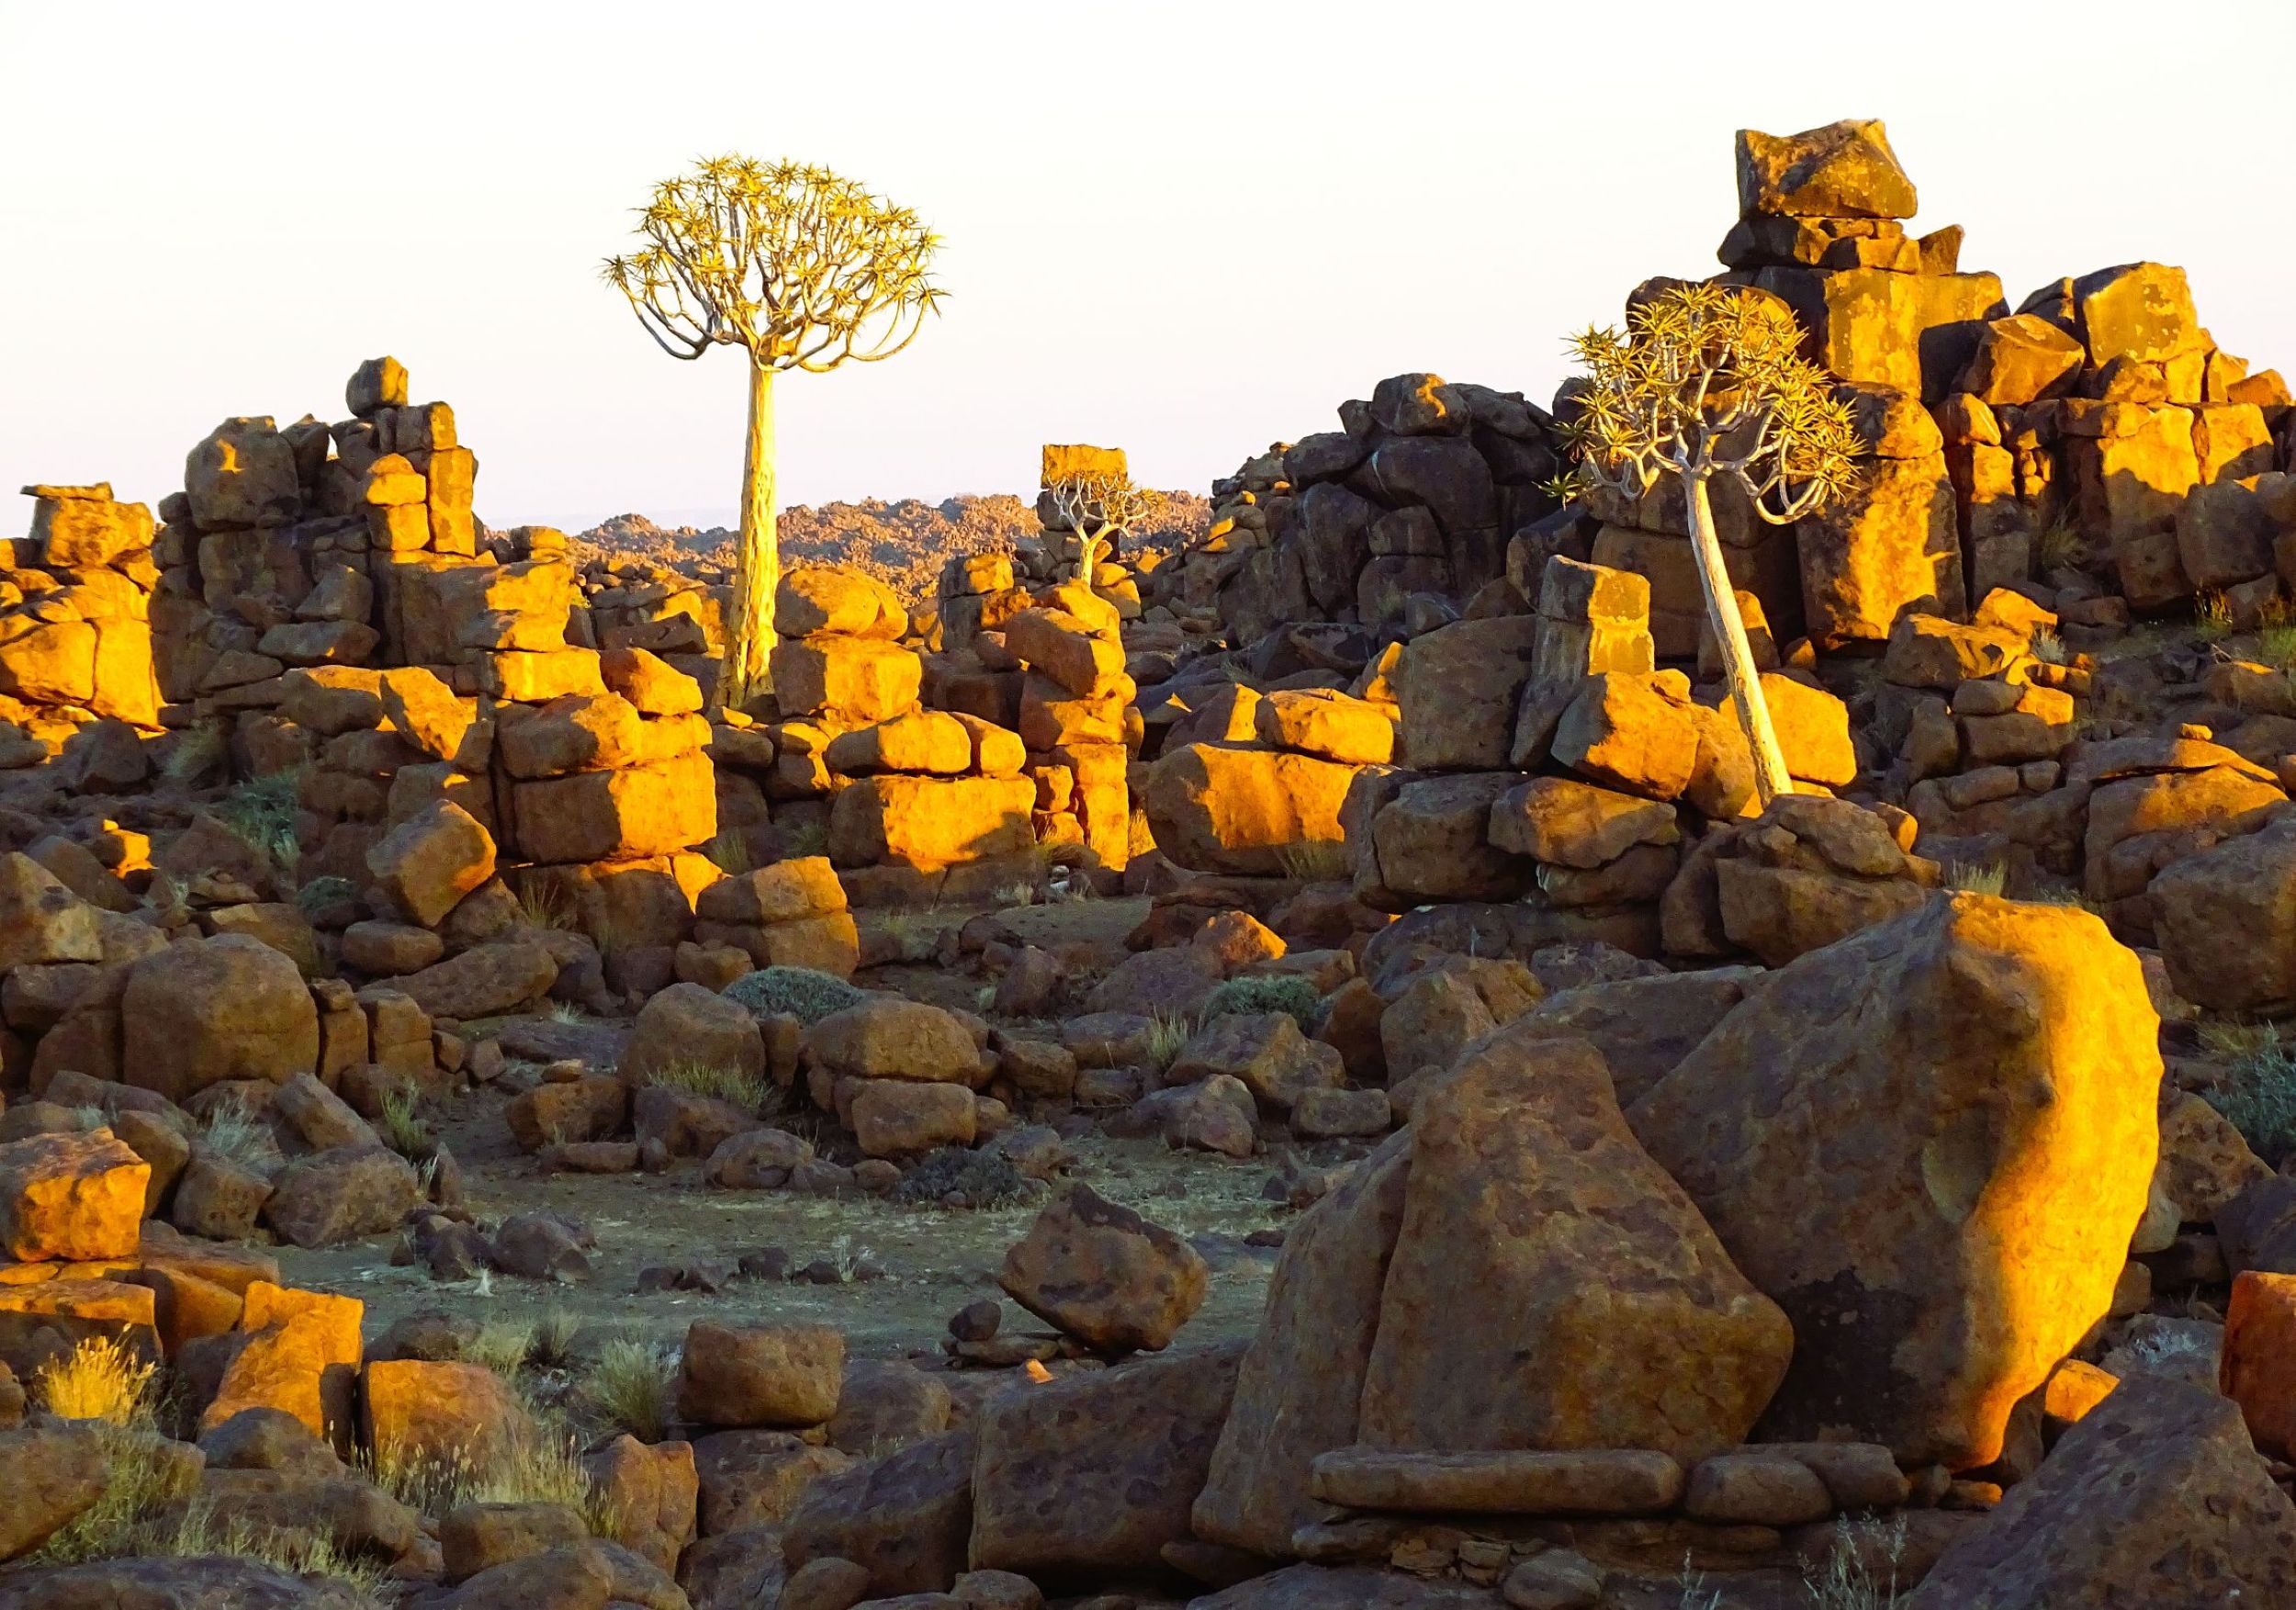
<point>1185,232</point>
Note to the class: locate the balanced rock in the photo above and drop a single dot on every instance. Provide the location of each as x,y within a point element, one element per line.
<point>1105,1275</point>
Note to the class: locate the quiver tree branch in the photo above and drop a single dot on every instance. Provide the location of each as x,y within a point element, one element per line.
<point>1097,508</point>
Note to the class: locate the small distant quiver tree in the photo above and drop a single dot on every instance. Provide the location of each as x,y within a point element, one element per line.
<point>1707,382</point>
<point>801,269</point>
<point>1098,506</point>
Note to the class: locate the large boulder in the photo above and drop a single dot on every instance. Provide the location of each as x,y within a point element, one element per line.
<point>2156,1498</point>
<point>1457,688</point>
<point>206,1010</point>
<point>2226,922</point>
<point>1105,1275</point>
<point>1096,1473</point>
<point>1550,1286</point>
<point>906,1519</point>
<point>1843,170</point>
<point>930,823</point>
<point>1300,1384</point>
<point>688,1026</point>
<point>1222,809</point>
<point>1943,1211</point>
<point>886,1037</point>
<point>70,1196</point>
<point>41,921</point>
<point>427,863</point>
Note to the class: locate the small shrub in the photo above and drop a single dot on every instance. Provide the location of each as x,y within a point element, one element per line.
<point>1990,879</point>
<point>2049,648</point>
<point>295,1552</point>
<point>745,1090</point>
<point>544,1469</point>
<point>2061,547</point>
<point>1289,993</point>
<point>2211,616</point>
<point>2275,646</point>
<point>567,1012</point>
<point>198,754</point>
<point>99,1380</point>
<point>805,840</point>
<point>915,934</point>
<point>801,992</point>
<point>542,904</point>
<point>632,1388</point>
<point>2259,1096</point>
<point>987,1180</point>
<point>554,1339</point>
<point>323,892</point>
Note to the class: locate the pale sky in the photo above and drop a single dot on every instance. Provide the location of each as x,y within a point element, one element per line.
<point>1184,228</point>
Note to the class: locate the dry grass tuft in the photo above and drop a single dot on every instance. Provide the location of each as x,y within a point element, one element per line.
<point>749,1091</point>
<point>1990,878</point>
<point>1316,860</point>
<point>99,1380</point>
<point>633,1388</point>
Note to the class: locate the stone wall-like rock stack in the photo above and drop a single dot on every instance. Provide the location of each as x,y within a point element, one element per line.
<point>922,803</point>
<point>634,601</point>
<point>1420,491</point>
<point>75,605</point>
<point>1051,664</point>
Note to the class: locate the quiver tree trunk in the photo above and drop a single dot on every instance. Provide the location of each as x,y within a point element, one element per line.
<point>1738,655</point>
<point>742,674</point>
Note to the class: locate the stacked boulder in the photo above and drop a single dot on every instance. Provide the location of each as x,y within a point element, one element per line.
<point>640,602</point>
<point>75,638</point>
<point>1419,491</point>
<point>591,799</point>
<point>917,799</point>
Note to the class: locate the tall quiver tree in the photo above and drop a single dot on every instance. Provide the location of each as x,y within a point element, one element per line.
<point>801,269</point>
<point>1708,382</point>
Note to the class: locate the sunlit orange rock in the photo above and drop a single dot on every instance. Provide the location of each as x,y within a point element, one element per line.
<point>1929,1143</point>
<point>2256,1368</point>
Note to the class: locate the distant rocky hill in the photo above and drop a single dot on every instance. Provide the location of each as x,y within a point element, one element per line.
<point>901,543</point>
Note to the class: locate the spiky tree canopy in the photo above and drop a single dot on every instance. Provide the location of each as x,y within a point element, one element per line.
<point>1710,380</point>
<point>801,268</point>
<point>1098,505</point>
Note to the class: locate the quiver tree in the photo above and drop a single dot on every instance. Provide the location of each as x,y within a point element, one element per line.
<point>1708,382</point>
<point>799,268</point>
<point>1098,506</point>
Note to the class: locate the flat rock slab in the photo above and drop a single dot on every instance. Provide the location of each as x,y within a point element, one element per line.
<point>1584,1481</point>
